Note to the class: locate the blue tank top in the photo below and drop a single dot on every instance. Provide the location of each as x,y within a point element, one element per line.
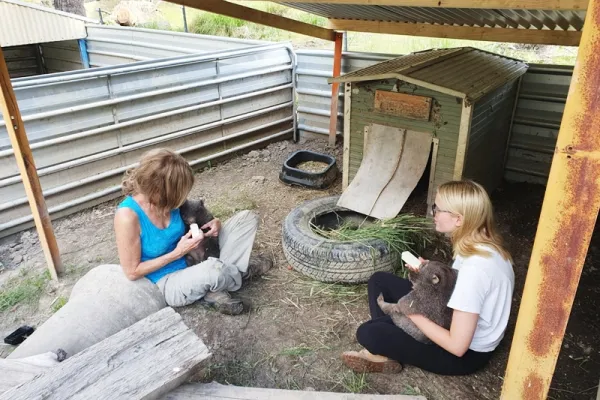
<point>157,242</point>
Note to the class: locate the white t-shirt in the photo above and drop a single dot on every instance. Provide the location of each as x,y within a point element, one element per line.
<point>484,286</point>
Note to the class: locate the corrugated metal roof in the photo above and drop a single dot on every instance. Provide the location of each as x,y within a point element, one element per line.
<point>25,23</point>
<point>463,72</point>
<point>493,18</point>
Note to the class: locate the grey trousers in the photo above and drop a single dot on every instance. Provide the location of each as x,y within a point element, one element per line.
<point>236,239</point>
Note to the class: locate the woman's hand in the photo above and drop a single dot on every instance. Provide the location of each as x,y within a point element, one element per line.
<point>187,243</point>
<point>423,261</point>
<point>214,226</point>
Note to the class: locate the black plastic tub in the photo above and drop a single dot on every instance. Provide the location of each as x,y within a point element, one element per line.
<point>292,175</point>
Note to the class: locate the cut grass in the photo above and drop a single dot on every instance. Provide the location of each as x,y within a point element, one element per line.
<point>26,288</point>
<point>406,232</point>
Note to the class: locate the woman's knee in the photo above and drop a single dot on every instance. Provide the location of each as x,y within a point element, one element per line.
<point>377,280</point>
<point>248,215</point>
<point>364,335</point>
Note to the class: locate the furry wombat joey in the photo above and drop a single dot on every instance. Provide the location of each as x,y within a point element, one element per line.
<point>194,212</point>
<point>432,287</point>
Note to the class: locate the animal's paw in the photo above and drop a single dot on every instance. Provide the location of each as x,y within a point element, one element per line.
<point>380,298</point>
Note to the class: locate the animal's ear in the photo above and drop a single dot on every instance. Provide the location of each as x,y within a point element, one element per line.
<point>435,279</point>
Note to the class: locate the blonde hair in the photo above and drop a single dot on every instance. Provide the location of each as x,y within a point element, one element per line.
<point>470,200</point>
<point>163,176</point>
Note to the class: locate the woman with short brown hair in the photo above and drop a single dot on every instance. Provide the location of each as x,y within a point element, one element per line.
<point>152,242</point>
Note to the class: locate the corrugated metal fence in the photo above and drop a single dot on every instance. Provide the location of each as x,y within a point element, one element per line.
<point>113,45</point>
<point>87,127</point>
<point>535,128</point>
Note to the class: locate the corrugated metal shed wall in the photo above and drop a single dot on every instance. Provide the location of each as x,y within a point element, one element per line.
<point>27,23</point>
<point>113,45</point>
<point>61,56</point>
<point>488,136</point>
<point>87,127</point>
<point>446,128</point>
<point>36,59</point>
<point>539,109</point>
<point>22,60</point>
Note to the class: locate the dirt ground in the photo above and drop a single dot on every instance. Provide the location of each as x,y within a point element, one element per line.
<point>296,328</point>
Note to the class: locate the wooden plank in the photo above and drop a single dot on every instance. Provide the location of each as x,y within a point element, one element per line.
<point>484,4</point>
<point>18,371</point>
<point>216,391</point>
<point>335,87</point>
<point>347,125</point>
<point>410,168</point>
<point>144,361</point>
<point>533,36</point>
<point>403,105</point>
<point>381,154</point>
<point>260,17</point>
<point>463,140</point>
<point>28,171</point>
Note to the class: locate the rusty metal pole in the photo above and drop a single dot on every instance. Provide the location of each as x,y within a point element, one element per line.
<point>565,228</point>
<point>335,87</point>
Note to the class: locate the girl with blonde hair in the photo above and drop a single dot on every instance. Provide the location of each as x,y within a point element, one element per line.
<point>152,242</point>
<point>481,300</point>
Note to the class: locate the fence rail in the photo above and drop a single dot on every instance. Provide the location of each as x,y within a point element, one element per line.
<point>87,127</point>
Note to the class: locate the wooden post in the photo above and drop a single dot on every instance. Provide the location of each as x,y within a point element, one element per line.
<point>26,164</point>
<point>335,87</point>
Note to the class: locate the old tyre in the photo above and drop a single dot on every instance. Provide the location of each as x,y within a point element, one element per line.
<point>330,260</point>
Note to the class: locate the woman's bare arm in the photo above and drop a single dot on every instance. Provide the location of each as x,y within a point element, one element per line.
<point>456,340</point>
<point>127,232</point>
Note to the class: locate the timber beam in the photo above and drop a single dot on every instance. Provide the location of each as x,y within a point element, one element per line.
<point>512,35</point>
<point>259,17</point>
<point>25,163</point>
<point>483,4</point>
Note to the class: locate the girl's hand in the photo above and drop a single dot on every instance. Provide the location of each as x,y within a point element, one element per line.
<point>187,243</point>
<point>423,261</point>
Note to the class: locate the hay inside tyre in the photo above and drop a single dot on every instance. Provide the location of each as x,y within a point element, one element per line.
<point>329,260</point>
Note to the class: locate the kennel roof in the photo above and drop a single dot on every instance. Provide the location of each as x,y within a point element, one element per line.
<point>464,72</point>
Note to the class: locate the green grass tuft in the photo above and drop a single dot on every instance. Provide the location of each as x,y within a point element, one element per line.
<point>355,383</point>
<point>296,351</point>
<point>25,288</point>
<point>59,303</point>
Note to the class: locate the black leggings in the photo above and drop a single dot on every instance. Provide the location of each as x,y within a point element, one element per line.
<point>380,336</point>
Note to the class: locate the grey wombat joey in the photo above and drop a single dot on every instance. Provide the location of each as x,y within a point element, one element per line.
<point>194,212</point>
<point>432,287</point>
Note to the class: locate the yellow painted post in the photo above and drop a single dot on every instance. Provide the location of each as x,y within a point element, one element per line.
<point>564,231</point>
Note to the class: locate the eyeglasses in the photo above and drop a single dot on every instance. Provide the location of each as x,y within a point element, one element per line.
<point>435,209</point>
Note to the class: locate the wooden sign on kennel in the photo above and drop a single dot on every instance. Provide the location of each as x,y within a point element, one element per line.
<point>464,97</point>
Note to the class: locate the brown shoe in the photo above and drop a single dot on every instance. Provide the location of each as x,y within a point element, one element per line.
<point>259,265</point>
<point>359,362</point>
<point>223,302</point>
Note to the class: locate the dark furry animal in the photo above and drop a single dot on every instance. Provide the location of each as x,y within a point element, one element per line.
<point>194,212</point>
<point>432,287</point>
